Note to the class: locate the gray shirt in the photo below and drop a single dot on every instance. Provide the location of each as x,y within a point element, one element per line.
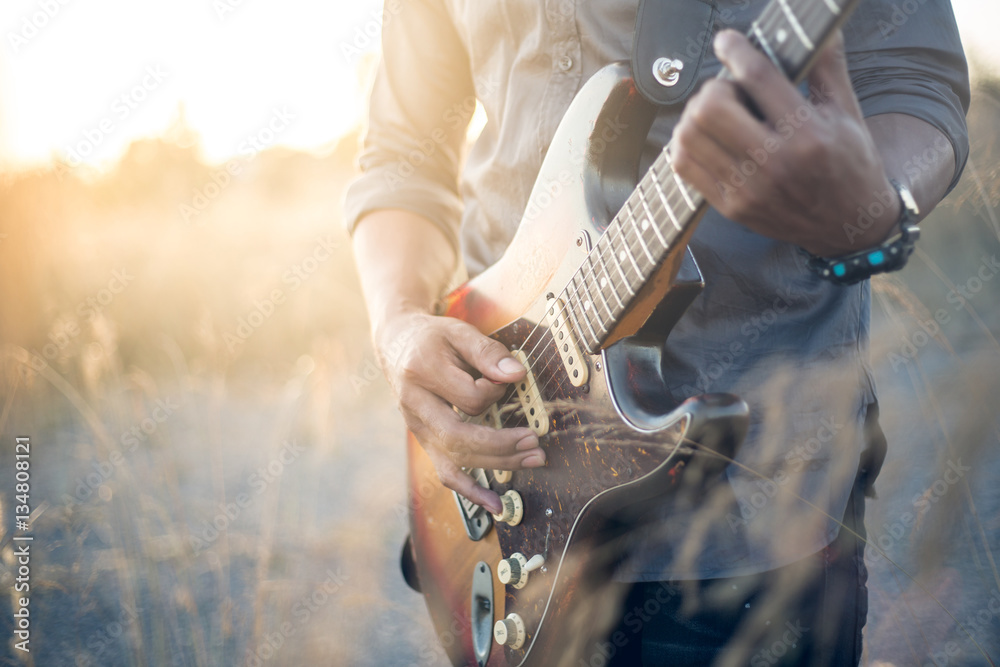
<point>792,345</point>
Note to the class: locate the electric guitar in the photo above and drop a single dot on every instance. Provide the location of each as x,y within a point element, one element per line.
<point>595,277</point>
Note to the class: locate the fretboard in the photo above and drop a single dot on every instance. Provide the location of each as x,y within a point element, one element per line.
<point>662,207</point>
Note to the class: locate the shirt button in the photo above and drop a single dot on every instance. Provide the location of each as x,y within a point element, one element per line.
<point>565,63</point>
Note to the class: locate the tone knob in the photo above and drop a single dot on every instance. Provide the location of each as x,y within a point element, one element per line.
<point>513,508</point>
<point>514,570</point>
<point>509,631</point>
<point>502,476</point>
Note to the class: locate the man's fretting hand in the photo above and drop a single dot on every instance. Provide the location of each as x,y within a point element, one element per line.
<point>816,161</point>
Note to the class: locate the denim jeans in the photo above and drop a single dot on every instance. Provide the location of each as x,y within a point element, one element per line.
<point>810,613</point>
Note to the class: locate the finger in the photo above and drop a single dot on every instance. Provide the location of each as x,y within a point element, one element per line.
<point>435,423</point>
<point>454,478</point>
<point>692,146</point>
<point>831,81</point>
<point>768,87</point>
<point>470,395</point>
<point>701,180</point>
<point>718,113</point>
<point>475,446</point>
<point>486,355</point>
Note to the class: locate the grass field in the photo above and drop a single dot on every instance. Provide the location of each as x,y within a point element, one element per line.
<point>217,473</point>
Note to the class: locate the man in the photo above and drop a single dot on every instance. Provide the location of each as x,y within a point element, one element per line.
<point>842,155</point>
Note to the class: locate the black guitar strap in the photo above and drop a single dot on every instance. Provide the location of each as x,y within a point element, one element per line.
<point>669,43</point>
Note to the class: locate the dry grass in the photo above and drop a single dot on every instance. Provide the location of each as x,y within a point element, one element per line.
<point>128,569</point>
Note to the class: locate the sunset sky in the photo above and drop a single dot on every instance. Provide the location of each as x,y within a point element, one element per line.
<point>101,73</point>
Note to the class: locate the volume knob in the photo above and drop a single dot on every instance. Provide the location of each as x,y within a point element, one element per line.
<point>509,631</point>
<point>513,508</point>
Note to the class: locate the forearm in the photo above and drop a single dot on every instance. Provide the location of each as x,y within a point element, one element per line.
<point>404,262</point>
<point>915,154</point>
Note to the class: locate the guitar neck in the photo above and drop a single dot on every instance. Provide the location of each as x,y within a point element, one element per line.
<point>663,209</point>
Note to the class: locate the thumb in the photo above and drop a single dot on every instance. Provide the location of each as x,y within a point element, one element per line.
<point>486,355</point>
<point>829,80</point>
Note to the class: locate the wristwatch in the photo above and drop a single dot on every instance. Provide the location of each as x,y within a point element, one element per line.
<point>890,255</point>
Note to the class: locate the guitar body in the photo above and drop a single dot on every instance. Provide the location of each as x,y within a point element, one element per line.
<point>616,444</point>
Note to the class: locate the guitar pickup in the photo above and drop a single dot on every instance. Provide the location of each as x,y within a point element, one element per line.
<point>573,360</point>
<point>531,398</point>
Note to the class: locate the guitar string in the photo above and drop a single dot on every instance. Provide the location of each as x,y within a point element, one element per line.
<point>769,18</point>
<point>554,353</point>
<point>588,268</point>
<point>766,24</point>
<point>675,186</point>
<point>618,225</point>
<point>551,357</point>
<point>579,278</point>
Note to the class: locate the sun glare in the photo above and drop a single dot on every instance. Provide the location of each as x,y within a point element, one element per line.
<point>80,81</point>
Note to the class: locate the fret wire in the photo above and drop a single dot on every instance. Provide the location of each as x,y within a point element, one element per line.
<point>618,238</point>
<point>638,233</point>
<point>600,293</point>
<point>668,198</point>
<point>665,202</point>
<point>600,257</point>
<point>614,258</point>
<point>585,316</point>
<point>812,14</point>
<point>581,333</point>
<point>663,197</point>
<point>589,307</point>
<point>580,279</point>
<point>652,218</point>
<point>796,52</point>
<point>643,258</point>
<point>796,26</point>
<point>775,17</point>
<point>680,183</point>
<point>819,16</point>
<point>589,288</point>
<point>762,41</point>
<point>628,252</point>
<point>774,21</point>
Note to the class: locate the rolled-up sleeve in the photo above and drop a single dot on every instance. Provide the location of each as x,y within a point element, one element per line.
<point>907,57</point>
<point>419,112</point>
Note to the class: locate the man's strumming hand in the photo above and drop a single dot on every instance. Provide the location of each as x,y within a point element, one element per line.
<point>433,363</point>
